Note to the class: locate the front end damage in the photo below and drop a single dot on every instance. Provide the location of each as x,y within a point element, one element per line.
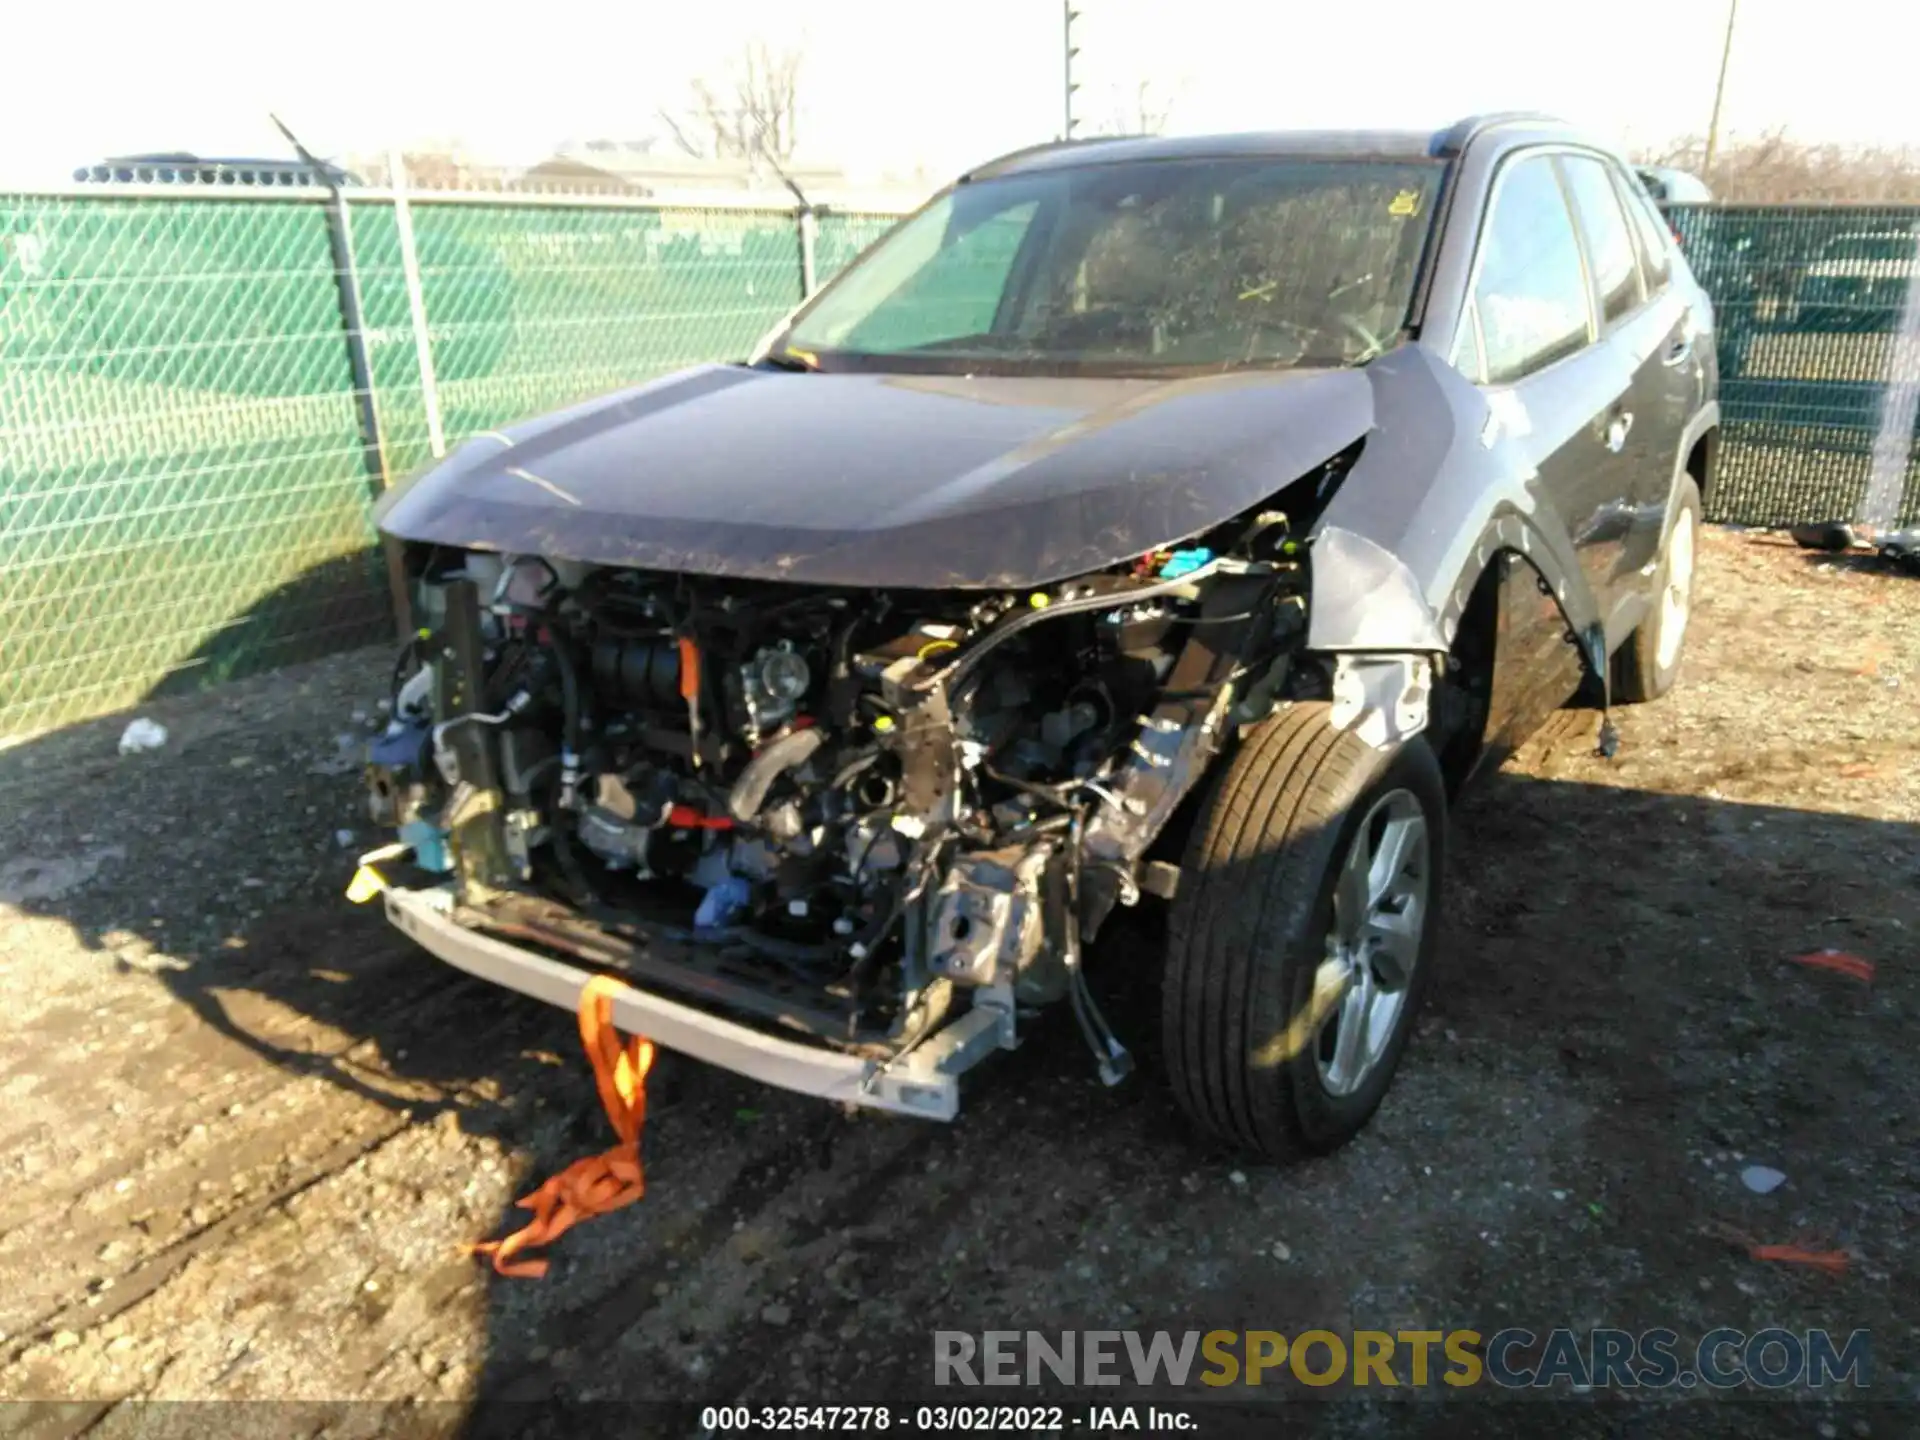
<point>844,841</point>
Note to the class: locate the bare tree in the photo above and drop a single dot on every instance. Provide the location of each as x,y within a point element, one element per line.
<point>751,115</point>
<point>1775,169</point>
<point>1142,113</point>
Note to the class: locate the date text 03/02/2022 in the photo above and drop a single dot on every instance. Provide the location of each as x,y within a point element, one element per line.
<point>922,1419</point>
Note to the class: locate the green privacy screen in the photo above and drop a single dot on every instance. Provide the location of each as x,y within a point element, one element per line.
<point>183,488</point>
<point>531,307</point>
<point>1817,346</point>
<point>184,491</point>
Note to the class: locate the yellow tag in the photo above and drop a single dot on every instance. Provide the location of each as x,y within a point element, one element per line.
<point>366,884</point>
<point>1039,600</point>
<point>1407,202</point>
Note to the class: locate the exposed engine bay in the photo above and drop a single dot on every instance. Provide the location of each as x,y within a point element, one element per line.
<point>850,814</point>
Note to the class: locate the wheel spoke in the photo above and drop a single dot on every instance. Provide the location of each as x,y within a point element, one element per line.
<point>1396,947</point>
<point>1397,847</point>
<point>1373,945</point>
<point>1352,894</point>
<point>1350,1040</point>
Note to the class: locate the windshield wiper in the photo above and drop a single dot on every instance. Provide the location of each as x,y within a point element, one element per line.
<point>801,361</point>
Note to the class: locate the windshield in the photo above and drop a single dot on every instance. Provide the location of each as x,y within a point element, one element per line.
<point>1150,267</point>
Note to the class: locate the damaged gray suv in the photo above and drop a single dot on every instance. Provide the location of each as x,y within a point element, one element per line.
<point>1143,522</point>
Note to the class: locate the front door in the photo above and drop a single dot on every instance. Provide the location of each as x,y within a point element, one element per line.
<point>1560,398</point>
<point>1645,327</point>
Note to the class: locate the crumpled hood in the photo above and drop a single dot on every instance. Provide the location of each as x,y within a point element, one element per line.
<point>882,480</point>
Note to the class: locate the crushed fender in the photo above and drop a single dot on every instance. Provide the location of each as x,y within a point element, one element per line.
<point>602,1183</point>
<point>1838,961</point>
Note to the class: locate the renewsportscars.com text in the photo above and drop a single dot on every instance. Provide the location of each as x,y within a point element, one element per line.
<point>1513,1358</point>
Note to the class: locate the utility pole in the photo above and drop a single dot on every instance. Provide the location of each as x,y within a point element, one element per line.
<point>1067,16</point>
<point>1720,91</point>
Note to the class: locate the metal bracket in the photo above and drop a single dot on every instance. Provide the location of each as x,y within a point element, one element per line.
<point>1382,698</point>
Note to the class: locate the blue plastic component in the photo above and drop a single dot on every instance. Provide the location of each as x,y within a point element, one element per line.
<point>720,904</point>
<point>1184,562</point>
<point>429,844</point>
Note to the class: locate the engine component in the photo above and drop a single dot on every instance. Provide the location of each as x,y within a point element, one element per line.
<point>620,843</point>
<point>772,685</point>
<point>398,773</point>
<point>789,752</point>
<point>852,806</point>
<point>638,673</point>
<point>988,922</point>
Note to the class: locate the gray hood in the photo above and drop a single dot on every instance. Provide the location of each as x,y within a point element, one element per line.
<point>882,480</point>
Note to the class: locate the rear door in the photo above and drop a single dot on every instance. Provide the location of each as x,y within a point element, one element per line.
<point>1529,339</point>
<point>1645,323</point>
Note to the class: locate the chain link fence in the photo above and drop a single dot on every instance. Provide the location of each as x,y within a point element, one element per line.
<point>191,432</point>
<point>192,425</point>
<point>1819,328</point>
<point>182,491</point>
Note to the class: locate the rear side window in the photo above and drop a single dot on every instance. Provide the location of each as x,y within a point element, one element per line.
<point>1652,232</point>
<point>1610,249</point>
<point>1531,291</point>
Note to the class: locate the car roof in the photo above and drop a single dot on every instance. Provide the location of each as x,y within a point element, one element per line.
<point>1309,144</point>
<point>1674,186</point>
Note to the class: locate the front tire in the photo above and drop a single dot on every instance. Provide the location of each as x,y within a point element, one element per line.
<point>1646,666</point>
<point>1301,938</point>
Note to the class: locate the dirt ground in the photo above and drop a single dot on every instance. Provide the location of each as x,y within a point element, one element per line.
<point>247,1130</point>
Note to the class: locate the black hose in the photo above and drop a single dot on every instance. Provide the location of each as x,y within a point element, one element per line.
<point>401,673</point>
<point>584,896</point>
<point>790,751</point>
<point>569,693</point>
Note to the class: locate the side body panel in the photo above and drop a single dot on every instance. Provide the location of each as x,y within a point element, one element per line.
<point>1454,474</point>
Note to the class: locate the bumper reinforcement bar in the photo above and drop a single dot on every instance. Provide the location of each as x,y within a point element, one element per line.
<point>924,1083</point>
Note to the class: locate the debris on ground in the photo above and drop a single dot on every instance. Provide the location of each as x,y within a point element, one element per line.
<point>1840,962</point>
<point>1762,1179</point>
<point>1829,535</point>
<point>1834,1262</point>
<point>599,1184</point>
<point>142,735</point>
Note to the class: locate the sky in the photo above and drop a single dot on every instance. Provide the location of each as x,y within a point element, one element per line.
<point>895,86</point>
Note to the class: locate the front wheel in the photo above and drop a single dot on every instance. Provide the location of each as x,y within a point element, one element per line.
<point>1300,940</point>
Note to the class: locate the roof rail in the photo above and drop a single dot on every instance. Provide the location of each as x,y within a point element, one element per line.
<point>1454,138</point>
<point>1045,147</point>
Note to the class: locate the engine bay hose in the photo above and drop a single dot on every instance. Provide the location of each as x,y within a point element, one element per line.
<point>791,750</point>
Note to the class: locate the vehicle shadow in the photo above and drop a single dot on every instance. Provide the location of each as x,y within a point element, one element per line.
<point>1614,1000</point>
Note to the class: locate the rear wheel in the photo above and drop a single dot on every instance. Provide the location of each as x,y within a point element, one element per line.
<point>1300,939</point>
<point>1648,664</point>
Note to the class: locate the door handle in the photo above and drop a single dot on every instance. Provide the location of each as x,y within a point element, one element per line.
<point>1680,349</point>
<point>1617,430</point>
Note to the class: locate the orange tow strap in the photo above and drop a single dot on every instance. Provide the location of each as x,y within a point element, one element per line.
<point>605,1182</point>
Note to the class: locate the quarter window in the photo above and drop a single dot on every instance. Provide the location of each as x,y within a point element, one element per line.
<point>1531,293</point>
<point>1616,273</point>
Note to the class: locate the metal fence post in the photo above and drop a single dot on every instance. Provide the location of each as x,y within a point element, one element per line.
<point>416,301</point>
<point>373,448</point>
<point>809,227</point>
